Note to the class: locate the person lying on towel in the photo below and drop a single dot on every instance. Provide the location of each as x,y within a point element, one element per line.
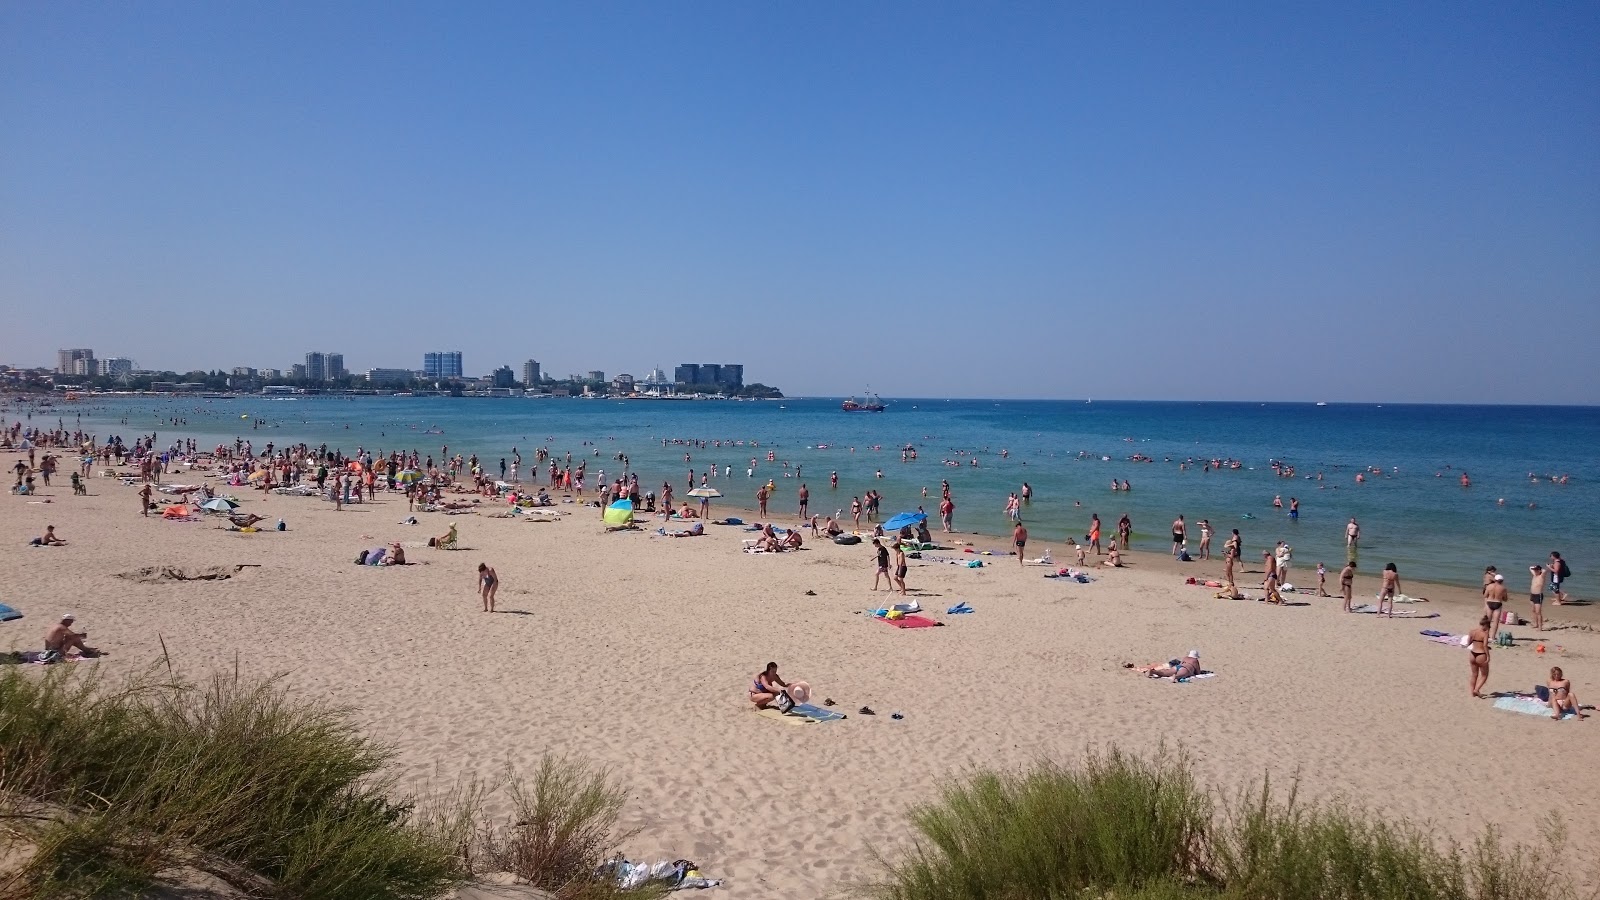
<point>1177,669</point>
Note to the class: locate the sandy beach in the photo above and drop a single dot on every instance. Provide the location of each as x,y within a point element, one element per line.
<point>635,651</point>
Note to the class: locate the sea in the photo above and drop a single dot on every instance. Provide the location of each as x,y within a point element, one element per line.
<point>1533,470</point>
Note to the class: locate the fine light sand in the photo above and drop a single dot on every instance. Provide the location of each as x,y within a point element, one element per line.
<point>635,651</point>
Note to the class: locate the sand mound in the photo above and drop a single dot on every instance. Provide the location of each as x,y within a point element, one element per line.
<point>162,574</point>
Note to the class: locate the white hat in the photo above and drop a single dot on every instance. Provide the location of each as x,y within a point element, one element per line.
<point>66,616</point>
<point>1194,654</point>
<point>1499,577</point>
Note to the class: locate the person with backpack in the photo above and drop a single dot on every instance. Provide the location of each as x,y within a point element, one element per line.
<point>1559,572</point>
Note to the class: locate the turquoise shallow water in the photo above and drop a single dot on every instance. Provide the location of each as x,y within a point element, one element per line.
<point>1417,515</point>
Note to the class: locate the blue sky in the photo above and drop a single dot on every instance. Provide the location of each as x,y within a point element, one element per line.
<point>1160,201</point>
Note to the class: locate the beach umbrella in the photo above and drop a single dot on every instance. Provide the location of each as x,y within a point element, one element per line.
<point>258,474</point>
<point>407,476</point>
<point>904,519</point>
<point>219,504</point>
<point>705,492</point>
<point>619,513</point>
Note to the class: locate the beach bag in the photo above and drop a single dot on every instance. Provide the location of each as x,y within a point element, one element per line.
<point>783,702</point>
<point>1566,570</point>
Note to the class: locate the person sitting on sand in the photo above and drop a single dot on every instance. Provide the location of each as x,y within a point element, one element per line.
<point>1113,557</point>
<point>769,540</point>
<point>1562,699</point>
<point>769,690</point>
<point>687,512</point>
<point>49,538</point>
<point>61,638</point>
<point>791,541</point>
<point>833,528</point>
<point>449,537</point>
<point>1270,584</point>
<point>1177,669</point>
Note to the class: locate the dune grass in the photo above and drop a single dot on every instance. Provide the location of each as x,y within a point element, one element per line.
<point>1133,828</point>
<point>111,784</point>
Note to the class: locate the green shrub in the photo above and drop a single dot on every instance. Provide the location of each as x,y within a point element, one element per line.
<point>1117,827</point>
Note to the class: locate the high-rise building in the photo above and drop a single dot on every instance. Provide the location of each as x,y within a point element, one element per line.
<point>389,376</point>
<point>86,368</point>
<point>116,366</point>
<point>66,359</point>
<point>298,371</point>
<point>596,375</point>
<point>243,372</point>
<point>732,375</point>
<point>442,364</point>
<point>530,373</point>
<point>686,373</point>
<point>270,373</point>
<point>335,366</point>
<point>710,373</point>
<point>727,375</point>
<point>503,377</point>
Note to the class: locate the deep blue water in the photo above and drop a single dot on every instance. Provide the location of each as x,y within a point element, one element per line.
<point>1416,515</point>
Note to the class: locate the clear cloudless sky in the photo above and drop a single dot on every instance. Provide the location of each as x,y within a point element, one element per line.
<point>1350,201</point>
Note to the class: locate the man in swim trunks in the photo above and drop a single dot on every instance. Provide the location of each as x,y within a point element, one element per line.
<point>899,576</point>
<point>61,638</point>
<point>1557,572</point>
<point>1177,669</point>
<point>1494,597</point>
<point>1536,596</point>
<point>1019,538</point>
<point>1352,536</point>
<point>1179,535</point>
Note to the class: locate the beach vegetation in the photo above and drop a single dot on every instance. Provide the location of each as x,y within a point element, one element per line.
<point>104,787</point>
<point>1116,825</point>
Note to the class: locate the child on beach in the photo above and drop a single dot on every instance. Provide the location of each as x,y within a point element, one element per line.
<point>1322,580</point>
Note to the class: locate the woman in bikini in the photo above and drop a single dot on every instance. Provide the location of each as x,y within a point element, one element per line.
<point>768,687</point>
<point>1177,669</point>
<point>1562,699</point>
<point>1478,649</point>
<point>488,584</point>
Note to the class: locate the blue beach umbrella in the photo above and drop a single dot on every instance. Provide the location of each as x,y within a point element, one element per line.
<point>619,513</point>
<point>904,519</point>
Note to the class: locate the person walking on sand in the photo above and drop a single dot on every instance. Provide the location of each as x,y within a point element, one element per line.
<point>1347,581</point>
<point>1019,538</point>
<point>488,585</point>
<point>1391,587</point>
<point>1179,536</point>
<point>882,553</point>
<point>1558,572</point>
<point>1494,599</point>
<point>144,500</point>
<point>1536,596</point>
<point>855,511</point>
<point>1094,534</point>
<point>1478,651</point>
<point>899,577</point>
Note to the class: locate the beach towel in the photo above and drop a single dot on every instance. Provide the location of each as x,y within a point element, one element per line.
<point>1528,706</point>
<point>816,713</point>
<point>1197,677</point>
<point>769,713</point>
<point>1370,609</point>
<point>959,608</point>
<point>1444,638</point>
<point>911,622</point>
<point>8,613</point>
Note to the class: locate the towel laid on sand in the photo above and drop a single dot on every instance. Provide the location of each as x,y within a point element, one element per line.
<point>910,622</point>
<point>8,613</point>
<point>1528,706</point>
<point>1370,609</point>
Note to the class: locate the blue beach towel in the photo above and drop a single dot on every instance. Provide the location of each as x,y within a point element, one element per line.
<point>7,613</point>
<point>816,713</point>
<point>1528,706</point>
